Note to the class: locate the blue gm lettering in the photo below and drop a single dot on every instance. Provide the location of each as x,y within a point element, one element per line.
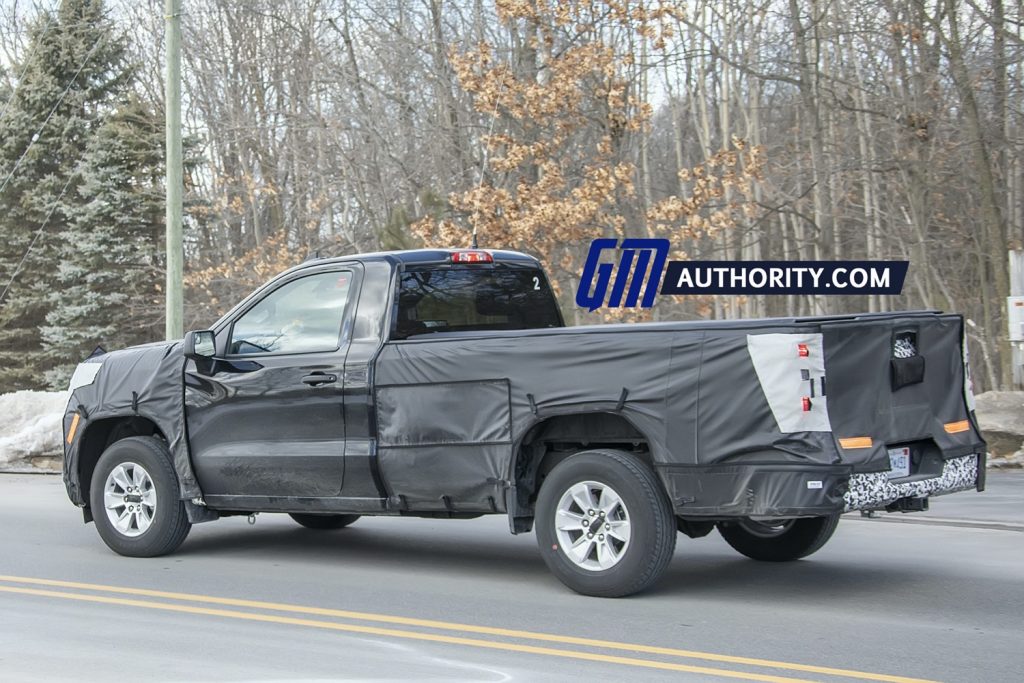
<point>649,254</point>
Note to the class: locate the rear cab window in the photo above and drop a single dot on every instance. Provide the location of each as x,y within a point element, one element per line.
<point>473,298</point>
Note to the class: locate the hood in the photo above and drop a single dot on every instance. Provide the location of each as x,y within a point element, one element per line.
<point>137,361</point>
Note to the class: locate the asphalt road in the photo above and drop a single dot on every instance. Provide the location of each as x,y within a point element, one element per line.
<point>409,599</point>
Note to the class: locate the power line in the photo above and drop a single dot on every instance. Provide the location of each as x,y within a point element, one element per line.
<point>487,151</point>
<point>67,183</point>
<point>39,131</point>
<point>35,238</point>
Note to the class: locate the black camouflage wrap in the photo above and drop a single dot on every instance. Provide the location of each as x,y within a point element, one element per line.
<point>448,426</point>
<point>144,381</point>
<point>452,410</point>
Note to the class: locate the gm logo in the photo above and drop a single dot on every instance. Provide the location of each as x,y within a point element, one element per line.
<point>648,253</point>
<point>641,266</point>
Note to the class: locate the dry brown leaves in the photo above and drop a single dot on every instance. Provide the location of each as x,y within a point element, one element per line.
<point>558,174</point>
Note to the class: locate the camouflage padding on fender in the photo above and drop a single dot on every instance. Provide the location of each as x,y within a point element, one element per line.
<point>875,490</point>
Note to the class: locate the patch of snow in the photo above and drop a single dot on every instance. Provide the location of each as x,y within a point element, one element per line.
<point>30,424</point>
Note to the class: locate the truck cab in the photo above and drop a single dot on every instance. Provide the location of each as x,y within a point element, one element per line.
<point>281,414</point>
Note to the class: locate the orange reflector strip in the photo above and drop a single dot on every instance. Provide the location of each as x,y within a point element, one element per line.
<point>957,427</point>
<point>856,442</point>
<point>74,427</point>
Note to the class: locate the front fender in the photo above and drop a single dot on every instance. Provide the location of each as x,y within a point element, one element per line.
<point>144,382</point>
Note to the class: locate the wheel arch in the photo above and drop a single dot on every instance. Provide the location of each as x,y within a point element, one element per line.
<point>555,437</point>
<point>98,435</point>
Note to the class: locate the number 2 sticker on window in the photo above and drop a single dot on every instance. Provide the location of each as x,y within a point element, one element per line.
<point>536,283</point>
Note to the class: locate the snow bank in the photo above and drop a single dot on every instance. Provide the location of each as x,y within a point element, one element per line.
<point>30,424</point>
<point>1001,418</point>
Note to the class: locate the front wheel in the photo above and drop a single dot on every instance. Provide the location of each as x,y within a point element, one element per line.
<point>323,522</point>
<point>604,524</point>
<point>781,540</point>
<point>134,499</point>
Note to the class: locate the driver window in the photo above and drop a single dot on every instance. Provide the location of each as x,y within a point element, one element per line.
<point>303,316</point>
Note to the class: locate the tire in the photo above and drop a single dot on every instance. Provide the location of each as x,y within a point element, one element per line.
<point>607,565</point>
<point>323,522</point>
<point>157,523</point>
<point>779,542</point>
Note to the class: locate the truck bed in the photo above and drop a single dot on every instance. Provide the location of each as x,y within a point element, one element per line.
<point>773,418</point>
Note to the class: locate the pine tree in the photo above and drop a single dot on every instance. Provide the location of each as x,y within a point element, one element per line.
<point>110,252</point>
<point>75,70</point>
<point>5,92</point>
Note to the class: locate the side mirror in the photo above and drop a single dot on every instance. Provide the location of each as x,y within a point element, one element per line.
<point>200,345</point>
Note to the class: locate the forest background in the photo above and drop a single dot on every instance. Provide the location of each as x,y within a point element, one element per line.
<point>739,129</point>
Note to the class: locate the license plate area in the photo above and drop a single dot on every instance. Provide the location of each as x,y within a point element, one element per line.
<point>899,462</point>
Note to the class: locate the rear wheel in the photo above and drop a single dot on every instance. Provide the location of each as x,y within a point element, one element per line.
<point>323,522</point>
<point>781,540</point>
<point>134,499</point>
<point>604,525</point>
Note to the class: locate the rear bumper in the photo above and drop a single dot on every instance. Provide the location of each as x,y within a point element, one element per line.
<point>874,490</point>
<point>800,490</point>
<point>756,490</point>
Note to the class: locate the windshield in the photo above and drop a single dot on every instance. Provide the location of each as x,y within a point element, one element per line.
<point>474,298</point>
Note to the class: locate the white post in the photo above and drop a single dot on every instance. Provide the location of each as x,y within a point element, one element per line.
<point>174,178</point>
<point>1016,259</point>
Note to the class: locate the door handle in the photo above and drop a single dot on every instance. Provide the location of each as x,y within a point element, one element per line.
<point>318,378</point>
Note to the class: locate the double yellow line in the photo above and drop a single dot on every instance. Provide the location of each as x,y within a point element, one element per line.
<point>432,631</point>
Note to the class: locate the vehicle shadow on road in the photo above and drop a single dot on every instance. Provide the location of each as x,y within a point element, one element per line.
<point>699,568</point>
<point>704,569</point>
<point>363,548</point>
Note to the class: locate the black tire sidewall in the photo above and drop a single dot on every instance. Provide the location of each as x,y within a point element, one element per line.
<point>170,523</point>
<point>805,537</point>
<point>649,516</point>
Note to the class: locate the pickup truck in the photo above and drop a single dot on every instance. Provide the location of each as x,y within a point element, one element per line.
<point>444,383</point>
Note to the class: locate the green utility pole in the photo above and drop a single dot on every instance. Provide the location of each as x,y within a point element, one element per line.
<point>175,181</point>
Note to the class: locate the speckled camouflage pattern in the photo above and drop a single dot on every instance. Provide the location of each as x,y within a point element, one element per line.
<point>875,490</point>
